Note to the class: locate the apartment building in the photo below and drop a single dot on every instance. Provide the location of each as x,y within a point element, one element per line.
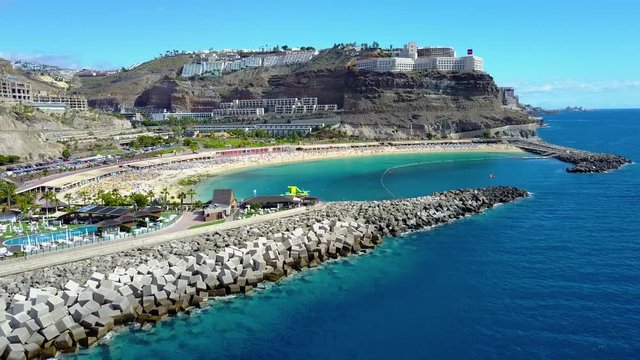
<point>396,64</point>
<point>507,96</point>
<point>269,104</point>
<point>304,109</point>
<point>436,52</point>
<point>74,102</point>
<point>13,90</point>
<point>272,129</point>
<point>215,113</point>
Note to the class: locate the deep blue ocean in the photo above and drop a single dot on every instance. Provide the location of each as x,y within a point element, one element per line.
<point>555,276</point>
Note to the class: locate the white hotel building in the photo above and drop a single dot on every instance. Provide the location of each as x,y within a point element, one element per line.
<point>409,60</point>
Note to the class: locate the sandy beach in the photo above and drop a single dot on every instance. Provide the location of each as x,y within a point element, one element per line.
<point>168,175</point>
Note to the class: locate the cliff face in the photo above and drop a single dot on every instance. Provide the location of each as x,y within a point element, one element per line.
<point>386,104</point>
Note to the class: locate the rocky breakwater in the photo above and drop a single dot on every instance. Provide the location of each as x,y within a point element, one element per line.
<point>583,161</point>
<point>58,314</point>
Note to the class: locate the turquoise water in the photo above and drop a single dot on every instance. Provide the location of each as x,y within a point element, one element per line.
<point>555,276</point>
<point>52,236</point>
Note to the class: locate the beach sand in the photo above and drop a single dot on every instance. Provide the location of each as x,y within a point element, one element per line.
<point>168,175</point>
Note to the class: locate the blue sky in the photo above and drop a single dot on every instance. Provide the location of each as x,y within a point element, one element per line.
<point>556,53</point>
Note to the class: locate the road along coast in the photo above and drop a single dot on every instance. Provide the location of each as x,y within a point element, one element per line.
<point>64,307</point>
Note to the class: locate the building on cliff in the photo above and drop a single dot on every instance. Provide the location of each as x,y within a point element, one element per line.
<point>233,62</point>
<point>398,64</point>
<point>413,58</point>
<point>508,97</point>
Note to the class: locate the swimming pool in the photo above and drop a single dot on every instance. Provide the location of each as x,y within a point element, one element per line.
<point>52,236</point>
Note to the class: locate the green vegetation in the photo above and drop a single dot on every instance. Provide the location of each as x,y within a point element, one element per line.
<point>9,159</point>
<point>114,198</point>
<point>145,141</point>
<point>191,180</point>
<point>169,150</point>
<point>207,224</point>
<point>22,109</point>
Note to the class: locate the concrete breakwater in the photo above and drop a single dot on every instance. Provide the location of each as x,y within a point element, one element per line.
<point>583,161</point>
<point>64,307</point>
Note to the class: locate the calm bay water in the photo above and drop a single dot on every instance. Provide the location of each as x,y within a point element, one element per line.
<point>553,276</point>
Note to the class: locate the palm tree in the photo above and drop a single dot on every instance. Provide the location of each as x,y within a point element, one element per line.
<point>68,197</point>
<point>84,194</point>
<point>8,191</point>
<point>165,193</point>
<point>181,196</point>
<point>45,172</point>
<point>191,192</point>
<point>151,195</point>
<point>49,198</point>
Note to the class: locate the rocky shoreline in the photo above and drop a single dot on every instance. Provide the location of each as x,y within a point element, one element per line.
<point>583,161</point>
<point>66,307</point>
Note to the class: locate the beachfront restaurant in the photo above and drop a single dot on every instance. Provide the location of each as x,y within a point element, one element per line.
<point>91,214</point>
<point>131,222</point>
<point>272,202</point>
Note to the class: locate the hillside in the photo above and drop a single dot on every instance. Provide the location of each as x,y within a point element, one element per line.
<point>36,84</point>
<point>383,103</point>
<point>30,133</point>
<point>124,87</point>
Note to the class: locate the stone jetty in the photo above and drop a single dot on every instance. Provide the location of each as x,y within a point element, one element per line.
<point>66,307</point>
<point>583,161</point>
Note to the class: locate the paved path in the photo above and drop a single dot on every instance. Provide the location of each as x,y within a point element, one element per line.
<point>175,231</point>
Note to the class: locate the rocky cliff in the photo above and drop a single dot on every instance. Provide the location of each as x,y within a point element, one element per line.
<point>374,104</point>
<point>25,131</point>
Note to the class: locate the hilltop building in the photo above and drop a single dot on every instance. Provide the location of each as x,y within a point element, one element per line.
<point>413,58</point>
<point>507,96</point>
<point>233,62</point>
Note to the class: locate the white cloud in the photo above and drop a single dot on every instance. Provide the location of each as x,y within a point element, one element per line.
<point>64,61</point>
<point>565,92</point>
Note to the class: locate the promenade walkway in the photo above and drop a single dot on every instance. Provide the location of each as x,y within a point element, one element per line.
<point>176,231</point>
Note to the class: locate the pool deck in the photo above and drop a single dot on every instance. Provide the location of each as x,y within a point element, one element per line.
<point>177,231</point>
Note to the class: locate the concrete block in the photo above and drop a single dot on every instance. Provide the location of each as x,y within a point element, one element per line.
<point>88,321</point>
<point>50,332</point>
<point>64,342</point>
<point>5,328</point>
<point>65,323</point>
<point>125,291</point>
<point>113,277</point>
<point>59,313</point>
<point>77,333</point>
<point>124,279</point>
<point>80,313</point>
<point>54,302</point>
<point>121,303</point>
<point>142,269</point>
<point>96,276</point>
<point>92,306</point>
<point>20,307</point>
<point>104,295</point>
<point>44,320</point>
<point>18,320</point>
<point>69,297</point>
<point>107,284</point>
<point>91,284</point>
<point>31,326</point>
<point>36,338</point>
<point>19,336</point>
<point>85,297</point>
